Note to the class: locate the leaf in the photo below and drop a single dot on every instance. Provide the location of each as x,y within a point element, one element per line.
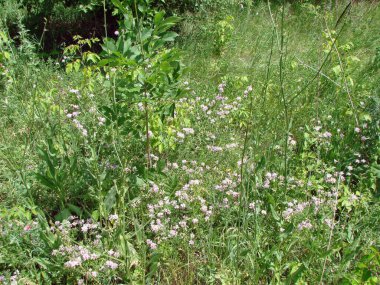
<point>92,57</point>
<point>274,213</point>
<point>337,70</point>
<point>74,209</point>
<point>120,6</point>
<point>109,45</point>
<point>95,215</point>
<point>69,68</point>
<point>146,34</point>
<point>153,265</point>
<point>63,215</point>
<point>45,156</point>
<point>296,274</point>
<point>105,62</point>
<point>169,37</point>
<point>167,24</point>
<point>159,17</point>
<point>110,200</point>
<point>48,182</point>
<point>77,65</point>
<point>132,255</point>
<point>271,199</point>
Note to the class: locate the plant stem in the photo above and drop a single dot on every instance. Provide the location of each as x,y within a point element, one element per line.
<point>282,92</point>
<point>105,17</point>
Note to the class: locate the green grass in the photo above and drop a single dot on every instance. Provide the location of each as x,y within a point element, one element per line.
<point>280,183</point>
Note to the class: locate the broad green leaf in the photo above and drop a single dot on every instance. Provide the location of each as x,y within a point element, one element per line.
<point>159,17</point>
<point>63,215</point>
<point>120,6</point>
<point>169,37</point>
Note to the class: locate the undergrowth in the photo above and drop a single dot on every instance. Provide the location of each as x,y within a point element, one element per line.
<point>241,149</point>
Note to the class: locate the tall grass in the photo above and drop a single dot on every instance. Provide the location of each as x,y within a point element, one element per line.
<point>262,170</point>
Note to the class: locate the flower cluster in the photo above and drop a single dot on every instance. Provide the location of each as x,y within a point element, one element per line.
<point>72,115</point>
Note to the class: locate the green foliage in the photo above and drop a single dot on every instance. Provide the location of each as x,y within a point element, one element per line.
<point>121,166</point>
<point>367,270</point>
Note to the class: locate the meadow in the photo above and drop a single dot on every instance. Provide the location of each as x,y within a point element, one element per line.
<point>192,142</point>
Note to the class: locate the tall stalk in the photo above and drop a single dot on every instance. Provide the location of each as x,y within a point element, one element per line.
<point>283,97</point>
<point>331,232</point>
<point>146,96</point>
<point>105,17</point>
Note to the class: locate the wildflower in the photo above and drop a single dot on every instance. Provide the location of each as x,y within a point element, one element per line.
<point>304,225</point>
<point>215,148</point>
<point>191,242</point>
<point>141,106</point>
<point>116,33</point>
<point>231,145</point>
<point>154,188</point>
<point>112,265</point>
<point>287,213</point>
<point>94,256</point>
<point>94,274</point>
<point>329,223</point>
<point>221,87</point>
<point>113,217</point>
<point>73,263</point>
<point>180,135</point>
<point>86,255</point>
<point>155,228</point>
<point>357,130</point>
<point>330,179</point>
<point>194,182</point>
<point>353,198</point>
<point>175,165</point>
<point>27,228</point>
<point>75,91</point>
<point>172,233</point>
<point>101,121</point>
<point>204,108</point>
<point>151,244</point>
<point>188,131</point>
<point>266,184</point>
<point>182,224</point>
<point>292,141</point>
<point>327,135</point>
<point>154,157</point>
<point>85,228</point>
